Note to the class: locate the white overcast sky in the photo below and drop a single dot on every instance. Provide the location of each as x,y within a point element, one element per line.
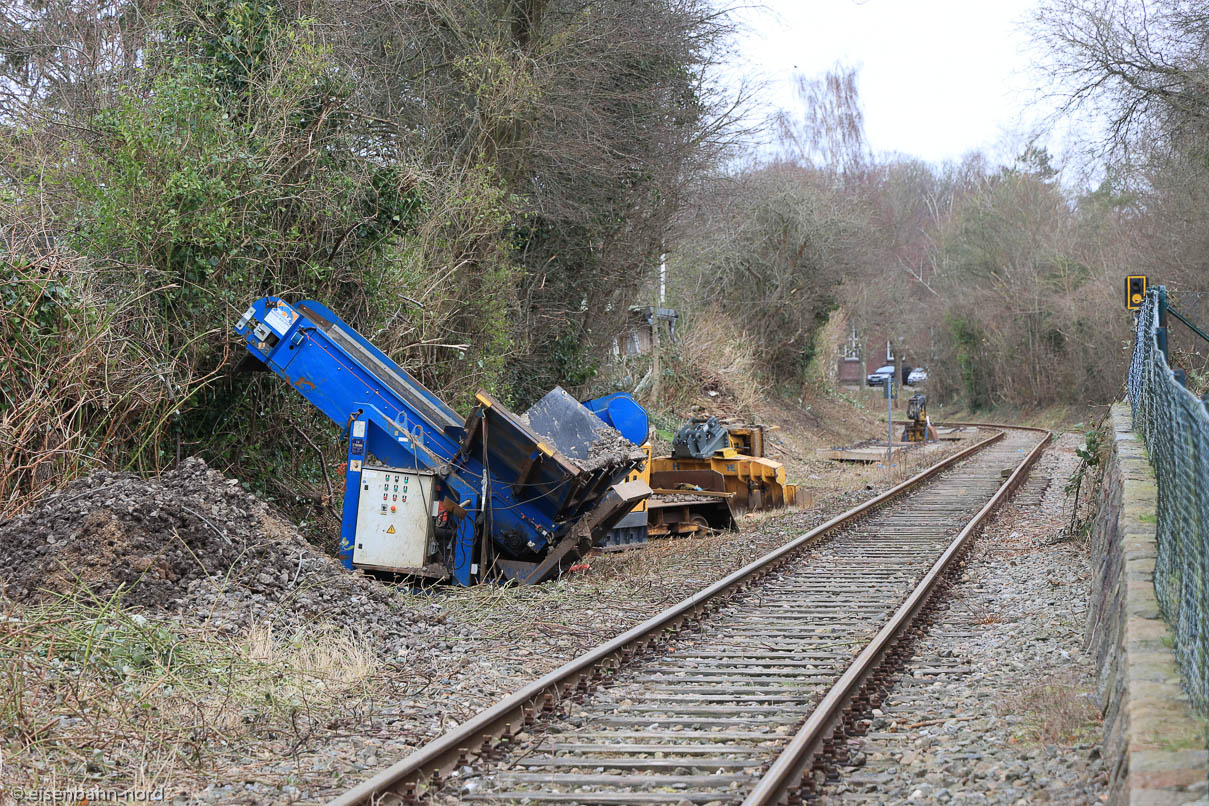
<point>938,78</point>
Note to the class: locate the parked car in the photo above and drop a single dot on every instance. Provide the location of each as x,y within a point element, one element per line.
<point>917,375</point>
<point>879,375</point>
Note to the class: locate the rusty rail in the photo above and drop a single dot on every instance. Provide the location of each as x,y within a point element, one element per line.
<point>410,776</point>
<point>785,775</point>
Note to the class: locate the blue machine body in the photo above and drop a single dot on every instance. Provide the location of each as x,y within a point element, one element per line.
<point>622,411</point>
<point>501,481</point>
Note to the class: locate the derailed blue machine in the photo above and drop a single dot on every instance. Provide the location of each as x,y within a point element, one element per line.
<point>431,494</point>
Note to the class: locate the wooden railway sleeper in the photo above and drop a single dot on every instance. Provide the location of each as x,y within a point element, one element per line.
<point>693,616</point>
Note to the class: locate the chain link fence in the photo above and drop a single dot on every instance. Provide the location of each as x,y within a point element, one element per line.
<point>1174,424</point>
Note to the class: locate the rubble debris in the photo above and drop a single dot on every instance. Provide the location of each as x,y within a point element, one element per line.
<point>190,543</point>
<point>609,447</point>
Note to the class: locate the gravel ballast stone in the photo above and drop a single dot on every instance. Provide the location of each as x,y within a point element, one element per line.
<point>997,705</point>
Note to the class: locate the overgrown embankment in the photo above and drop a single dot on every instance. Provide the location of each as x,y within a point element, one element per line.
<point>480,191</point>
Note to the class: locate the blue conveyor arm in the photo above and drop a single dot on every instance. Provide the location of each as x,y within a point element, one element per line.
<point>533,494</point>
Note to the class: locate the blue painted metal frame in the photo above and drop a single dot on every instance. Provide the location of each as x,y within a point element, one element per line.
<point>621,411</point>
<point>386,413</point>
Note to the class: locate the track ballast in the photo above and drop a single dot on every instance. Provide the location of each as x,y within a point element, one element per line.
<point>704,712</point>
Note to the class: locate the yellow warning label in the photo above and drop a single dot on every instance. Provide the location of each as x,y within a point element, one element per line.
<point>390,530</point>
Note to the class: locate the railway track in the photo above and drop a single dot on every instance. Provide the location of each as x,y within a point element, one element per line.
<point>735,694</point>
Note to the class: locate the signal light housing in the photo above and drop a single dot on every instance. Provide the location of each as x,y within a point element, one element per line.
<point>1135,291</point>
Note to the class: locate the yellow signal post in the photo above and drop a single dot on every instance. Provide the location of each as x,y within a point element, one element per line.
<point>1135,291</point>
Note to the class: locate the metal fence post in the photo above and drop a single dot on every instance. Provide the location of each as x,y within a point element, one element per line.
<point>889,422</point>
<point>1160,333</point>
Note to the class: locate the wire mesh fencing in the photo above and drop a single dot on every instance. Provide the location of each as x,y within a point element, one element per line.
<point>1174,424</point>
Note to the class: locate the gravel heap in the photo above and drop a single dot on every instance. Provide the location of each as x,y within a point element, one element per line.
<point>191,543</point>
<point>610,447</point>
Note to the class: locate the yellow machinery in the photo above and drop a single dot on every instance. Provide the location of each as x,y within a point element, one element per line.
<point>724,458</point>
<point>685,509</point>
<point>917,419</point>
<point>715,471</point>
<point>631,531</point>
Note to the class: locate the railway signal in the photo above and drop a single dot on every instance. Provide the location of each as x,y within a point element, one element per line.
<point>1135,291</point>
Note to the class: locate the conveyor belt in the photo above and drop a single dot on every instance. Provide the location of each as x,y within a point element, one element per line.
<point>411,391</point>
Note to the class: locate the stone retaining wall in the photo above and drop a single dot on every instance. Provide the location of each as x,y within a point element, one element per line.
<point>1154,745</point>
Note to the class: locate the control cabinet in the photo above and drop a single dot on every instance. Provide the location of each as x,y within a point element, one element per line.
<point>394,519</point>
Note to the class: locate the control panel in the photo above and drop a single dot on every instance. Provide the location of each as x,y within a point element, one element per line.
<point>394,518</point>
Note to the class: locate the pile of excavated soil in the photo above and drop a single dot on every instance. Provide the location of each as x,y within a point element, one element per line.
<point>189,542</point>
<point>115,529</point>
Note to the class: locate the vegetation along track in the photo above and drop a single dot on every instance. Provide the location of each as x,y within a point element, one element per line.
<point>700,704</point>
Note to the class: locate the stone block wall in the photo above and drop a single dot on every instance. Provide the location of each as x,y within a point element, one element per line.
<point>1154,745</point>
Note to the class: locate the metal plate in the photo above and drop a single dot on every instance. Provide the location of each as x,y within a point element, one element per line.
<point>394,520</point>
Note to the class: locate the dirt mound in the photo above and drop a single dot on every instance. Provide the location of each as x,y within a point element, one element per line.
<point>190,542</point>
<point>112,529</point>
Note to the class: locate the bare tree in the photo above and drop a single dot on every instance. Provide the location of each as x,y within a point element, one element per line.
<point>831,132</point>
<point>768,248</point>
<point>1141,66</point>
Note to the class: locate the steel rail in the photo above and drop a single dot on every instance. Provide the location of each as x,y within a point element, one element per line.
<point>784,776</point>
<point>511,714</point>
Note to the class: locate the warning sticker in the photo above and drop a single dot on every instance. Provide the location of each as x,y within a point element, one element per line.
<point>280,319</point>
<point>390,530</point>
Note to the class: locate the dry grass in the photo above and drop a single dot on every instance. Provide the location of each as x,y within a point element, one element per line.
<point>721,357</point>
<point>77,391</point>
<point>1059,711</point>
<point>95,694</point>
<point>906,463</point>
<point>328,657</point>
<point>983,615</point>
<point>1056,417</point>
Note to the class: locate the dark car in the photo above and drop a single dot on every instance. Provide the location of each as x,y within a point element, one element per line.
<point>879,375</point>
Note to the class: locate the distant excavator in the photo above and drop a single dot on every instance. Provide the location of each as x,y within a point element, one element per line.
<point>918,428</point>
